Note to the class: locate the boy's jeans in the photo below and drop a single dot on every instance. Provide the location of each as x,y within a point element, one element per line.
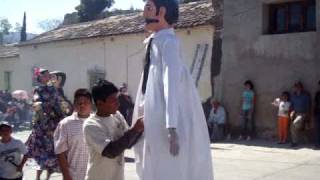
<point>317,128</point>
<point>247,122</point>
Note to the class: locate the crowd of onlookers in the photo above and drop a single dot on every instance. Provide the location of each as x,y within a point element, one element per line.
<point>58,126</point>
<point>15,110</point>
<point>56,140</point>
<point>294,115</point>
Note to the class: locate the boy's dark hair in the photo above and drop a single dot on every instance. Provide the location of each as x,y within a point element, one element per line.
<point>286,93</point>
<point>248,82</point>
<point>298,84</point>
<point>5,124</point>
<point>103,89</point>
<point>82,93</point>
<point>172,10</point>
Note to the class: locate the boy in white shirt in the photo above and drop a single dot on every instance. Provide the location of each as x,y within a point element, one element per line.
<point>69,145</point>
<point>107,135</point>
<point>11,152</point>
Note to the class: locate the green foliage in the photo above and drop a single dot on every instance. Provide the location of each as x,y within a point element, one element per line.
<point>120,12</point>
<point>71,18</point>
<point>89,10</point>
<point>5,26</point>
<point>49,24</point>
<point>17,27</point>
<point>23,33</point>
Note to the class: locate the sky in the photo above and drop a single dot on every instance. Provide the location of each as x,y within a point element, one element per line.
<point>38,10</point>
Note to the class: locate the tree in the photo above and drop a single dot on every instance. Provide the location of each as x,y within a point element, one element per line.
<point>49,24</point>
<point>71,18</point>
<point>116,12</point>
<point>17,27</point>
<point>23,33</point>
<point>216,58</point>
<point>89,10</point>
<point>5,26</point>
<point>131,8</point>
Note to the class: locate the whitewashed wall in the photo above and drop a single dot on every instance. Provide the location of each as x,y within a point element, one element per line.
<point>120,56</point>
<point>10,64</point>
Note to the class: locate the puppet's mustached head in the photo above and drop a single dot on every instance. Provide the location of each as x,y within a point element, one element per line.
<point>151,20</point>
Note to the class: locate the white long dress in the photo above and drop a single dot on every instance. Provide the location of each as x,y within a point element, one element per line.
<point>171,101</point>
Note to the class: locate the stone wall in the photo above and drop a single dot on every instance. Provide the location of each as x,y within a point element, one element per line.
<point>272,62</point>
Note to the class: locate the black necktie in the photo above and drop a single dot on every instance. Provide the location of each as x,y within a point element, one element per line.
<point>146,67</point>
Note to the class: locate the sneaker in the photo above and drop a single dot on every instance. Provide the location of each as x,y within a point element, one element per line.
<point>248,138</point>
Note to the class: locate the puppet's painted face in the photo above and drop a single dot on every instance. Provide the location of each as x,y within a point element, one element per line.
<point>56,80</point>
<point>151,16</point>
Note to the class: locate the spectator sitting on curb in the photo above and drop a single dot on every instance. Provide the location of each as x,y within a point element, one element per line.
<point>217,121</point>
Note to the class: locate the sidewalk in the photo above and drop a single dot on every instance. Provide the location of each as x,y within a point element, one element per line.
<point>264,160</point>
<point>241,160</point>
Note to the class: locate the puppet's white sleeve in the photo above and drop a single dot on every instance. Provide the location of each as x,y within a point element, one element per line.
<point>171,66</point>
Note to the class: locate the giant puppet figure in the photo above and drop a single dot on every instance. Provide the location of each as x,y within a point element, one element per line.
<point>49,108</point>
<point>176,141</point>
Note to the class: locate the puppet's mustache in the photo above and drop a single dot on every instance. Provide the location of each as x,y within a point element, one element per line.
<point>149,20</point>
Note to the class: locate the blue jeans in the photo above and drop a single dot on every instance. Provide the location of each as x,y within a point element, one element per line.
<point>247,122</point>
<point>20,178</point>
<point>317,128</point>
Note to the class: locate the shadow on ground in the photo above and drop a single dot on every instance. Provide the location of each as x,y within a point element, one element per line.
<point>263,143</point>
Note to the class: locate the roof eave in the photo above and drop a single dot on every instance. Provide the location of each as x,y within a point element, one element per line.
<point>11,56</point>
<point>208,23</point>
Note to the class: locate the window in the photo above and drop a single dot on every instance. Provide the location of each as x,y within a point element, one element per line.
<point>95,75</point>
<point>7,80</point>
<point>297,16</point>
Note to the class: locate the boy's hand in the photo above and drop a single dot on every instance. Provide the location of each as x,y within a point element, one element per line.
<point>174,142</point>
<point>19,168</point>
<point>68,177</point>
<point>138,126</point>
<point>292,114</point>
